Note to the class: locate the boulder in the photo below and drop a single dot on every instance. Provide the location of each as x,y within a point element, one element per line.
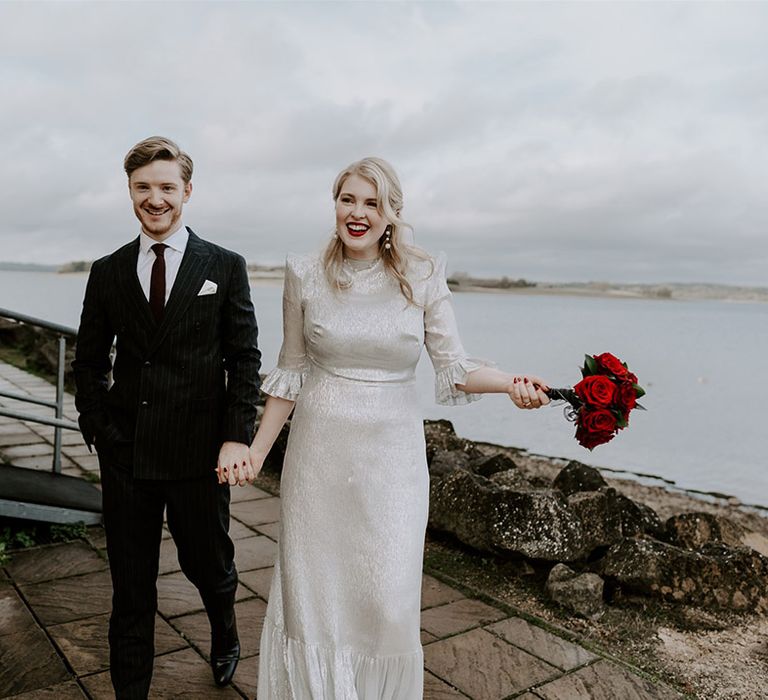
<point>600,516</point>
<point>511,479</point>
<point>716,575</point>
<point>580,593</point>
<point>443,462</point>
<point>535,523</point>
<point>488,466</point>
<point>693,530</point>
<point>638,518</point>
<point>440,435</point>
<point>576,477</point>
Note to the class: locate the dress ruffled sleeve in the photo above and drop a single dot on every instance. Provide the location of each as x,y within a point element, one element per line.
<point>441,336</point>
<point>285,380</point>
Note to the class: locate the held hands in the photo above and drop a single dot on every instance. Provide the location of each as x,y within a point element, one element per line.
<point>234,467</point>
<point>527,391</point>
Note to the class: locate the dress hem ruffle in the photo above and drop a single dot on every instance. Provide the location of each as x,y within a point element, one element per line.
<point>294,670</point>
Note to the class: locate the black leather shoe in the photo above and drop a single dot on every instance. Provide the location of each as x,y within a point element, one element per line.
<point>224,664</point>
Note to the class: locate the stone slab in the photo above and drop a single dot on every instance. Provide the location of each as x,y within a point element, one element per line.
<point>238,531</point>
<point>14,615</point>
<point>15,435</point>
<point>169,558</point>
<point>57,561</point>
<point>259,581</point>
<point>61,691</point>
<point>70,438</point>
<point>14,428</point>
<point>85,643</point>
<point>483,666</point>
<point>256,552</point>
<point>553,649</point>
<point>258,512</point>
<point>38,449</point>
<point>458,616</point>
<point>72,598</point>
<point>434,592</point>
<point>435,689</point>
<point>604,681</point>
<point>44,463</point>
<point>246,678</point>
<point>89,462</point>
<point>178,596</point>
<point>97,537</point>
<point>29,662</point>
<point>271,530</point>
<point>427,638</point>
<point>181,674</point>
<point>249,492</point>
<point>250,620</point>
<point>76,451</point>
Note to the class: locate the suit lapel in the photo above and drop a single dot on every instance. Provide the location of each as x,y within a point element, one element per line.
<point>191,275</point>
<point>128,282</point>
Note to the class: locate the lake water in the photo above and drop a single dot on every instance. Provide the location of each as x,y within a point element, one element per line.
<point>702,363</point>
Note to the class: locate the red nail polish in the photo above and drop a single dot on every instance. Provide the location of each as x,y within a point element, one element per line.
<point>526,380</point>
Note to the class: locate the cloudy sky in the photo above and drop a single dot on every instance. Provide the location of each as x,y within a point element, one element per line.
<point>552,141</point>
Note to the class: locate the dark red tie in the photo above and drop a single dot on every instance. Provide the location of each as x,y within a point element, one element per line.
<point>157,282</point>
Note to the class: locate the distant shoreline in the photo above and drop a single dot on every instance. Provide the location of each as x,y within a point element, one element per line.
<point>647,292</point>
<point>264,275</point>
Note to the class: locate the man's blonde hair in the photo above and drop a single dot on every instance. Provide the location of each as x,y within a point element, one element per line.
<point>157,148</point>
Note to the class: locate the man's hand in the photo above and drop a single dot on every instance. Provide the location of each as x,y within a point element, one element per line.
<point>234,465</point>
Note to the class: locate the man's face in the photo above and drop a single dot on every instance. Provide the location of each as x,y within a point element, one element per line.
<point>159,193</point>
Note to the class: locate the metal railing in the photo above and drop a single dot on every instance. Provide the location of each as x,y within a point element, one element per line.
<point>58,422</point>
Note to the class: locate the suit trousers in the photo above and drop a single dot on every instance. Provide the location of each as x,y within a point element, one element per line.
<point>198,519</point>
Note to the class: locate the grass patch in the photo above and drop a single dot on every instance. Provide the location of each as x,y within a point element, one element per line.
<point>20,534</point>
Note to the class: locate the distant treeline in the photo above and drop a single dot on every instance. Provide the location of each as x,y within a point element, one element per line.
<point>462,279</point>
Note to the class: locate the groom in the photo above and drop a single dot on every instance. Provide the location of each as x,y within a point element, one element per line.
<point>183,399</point>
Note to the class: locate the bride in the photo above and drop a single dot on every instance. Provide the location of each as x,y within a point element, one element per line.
<point>343,615</point>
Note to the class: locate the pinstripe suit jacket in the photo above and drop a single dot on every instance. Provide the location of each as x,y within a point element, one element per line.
<point>181,387</point>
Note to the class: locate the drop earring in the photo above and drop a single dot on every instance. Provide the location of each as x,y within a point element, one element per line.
<point>387,242</point>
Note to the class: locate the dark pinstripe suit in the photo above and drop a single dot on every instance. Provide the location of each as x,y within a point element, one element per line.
<point>181,388</point>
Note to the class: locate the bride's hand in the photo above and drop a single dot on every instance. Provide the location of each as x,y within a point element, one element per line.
<point>527,391</point>
<point>257,462</point>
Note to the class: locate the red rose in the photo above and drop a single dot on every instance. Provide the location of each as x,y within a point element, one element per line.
<point>631,377</point>
<point>626,397</point>
<point>596,390</point>
<point>592,440</point>
<point>610,364</point>
<point>598,421</point>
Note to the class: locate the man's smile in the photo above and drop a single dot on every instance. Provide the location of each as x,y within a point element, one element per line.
<point>157,212</point>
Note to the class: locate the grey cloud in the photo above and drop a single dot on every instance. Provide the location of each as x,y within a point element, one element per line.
<point>545,140</point>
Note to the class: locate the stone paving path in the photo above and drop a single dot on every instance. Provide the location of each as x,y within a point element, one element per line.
<point>55,600</point>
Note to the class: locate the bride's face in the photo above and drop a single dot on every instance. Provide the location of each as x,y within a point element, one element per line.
<point>358,221</point>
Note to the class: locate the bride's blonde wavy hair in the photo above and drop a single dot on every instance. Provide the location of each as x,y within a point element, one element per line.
<point>389,202</point>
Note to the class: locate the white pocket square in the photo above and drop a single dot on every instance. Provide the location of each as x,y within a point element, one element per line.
<point>208,288</point>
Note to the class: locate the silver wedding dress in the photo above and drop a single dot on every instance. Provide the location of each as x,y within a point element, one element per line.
<point>343,616</point>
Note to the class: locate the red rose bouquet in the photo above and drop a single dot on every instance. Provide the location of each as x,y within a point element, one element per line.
<point>601,402</point>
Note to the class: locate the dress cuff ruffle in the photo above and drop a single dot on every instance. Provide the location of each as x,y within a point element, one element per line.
<point>446,379</point>
<point>283,383</point>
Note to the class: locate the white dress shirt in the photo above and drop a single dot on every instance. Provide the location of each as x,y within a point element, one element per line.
<point>177,244</point>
